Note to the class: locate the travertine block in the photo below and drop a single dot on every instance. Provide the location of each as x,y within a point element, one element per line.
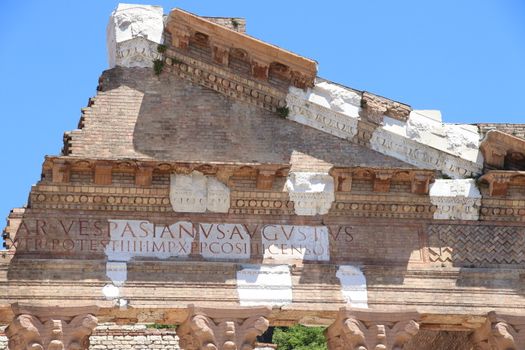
<point>455,199</point>
<point>133,33</point>
<point>312,193</point>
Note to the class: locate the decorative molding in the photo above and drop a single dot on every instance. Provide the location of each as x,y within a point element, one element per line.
<point>476,245</point>
<point>455,199</point>
<point>375,107</point>
<point>184,26</point>
<point>223,329</point>
<point>499,181</point>
<point>133,34</point>
<point>497,146</point>
<point>500,332</point>
<point>312,193</point>
<point>421,155</point>
<point>197,193</point>
<point>326,107</point>
<point>219,79</point>
<point>357,329</point>
<point>136,52</point>
<point>52,328</point>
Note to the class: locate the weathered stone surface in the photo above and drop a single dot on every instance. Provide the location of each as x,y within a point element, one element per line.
<point>196,193</point>
<point>455,199</point>
<point>327,107</point>
<point>223,329</point>
<point>353,285</point>
<point>500,332</point>
<point>312,193</point>
<point>424,141</point>
<point>51,328</point>
<point>133,34</point>
<point>264,285</point>
<point>359,330</point>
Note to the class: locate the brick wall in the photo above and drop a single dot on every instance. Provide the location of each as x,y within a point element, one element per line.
<point>132,337</point>
<point>139,115</point>
<point>110,336</point>
<point>517,130</point>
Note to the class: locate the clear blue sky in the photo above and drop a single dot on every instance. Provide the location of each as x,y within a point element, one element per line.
<point>466,58</point>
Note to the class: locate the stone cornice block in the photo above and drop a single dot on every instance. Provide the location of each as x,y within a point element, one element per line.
<point>497,145</point>
<point>183,25</point>
<point>132,35</point>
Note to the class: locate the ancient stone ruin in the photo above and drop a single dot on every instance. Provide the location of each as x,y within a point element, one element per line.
<point>217,184</point>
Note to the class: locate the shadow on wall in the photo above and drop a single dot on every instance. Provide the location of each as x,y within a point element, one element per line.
<point>179,120</point>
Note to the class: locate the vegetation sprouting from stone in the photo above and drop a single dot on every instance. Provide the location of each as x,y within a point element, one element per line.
<point>235,23</point>
<point>299,338</point>
<point>161,48</point>
<point>283,112</point>
<point>158,65</point>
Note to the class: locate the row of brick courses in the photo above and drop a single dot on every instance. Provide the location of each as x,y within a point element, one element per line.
<point>517,130</point>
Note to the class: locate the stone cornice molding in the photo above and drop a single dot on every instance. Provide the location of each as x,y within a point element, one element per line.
<point>223,329</point>
<point>360,329</point>
<point>497,145</point>
<point>499,181</point>
<point>183,25</point>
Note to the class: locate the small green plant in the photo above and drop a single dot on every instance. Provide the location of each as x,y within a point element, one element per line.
<point>161,48</point>
<point>158,65</point>
<point>235,23</point>
<point>161,326</point>
<point>283,112</point>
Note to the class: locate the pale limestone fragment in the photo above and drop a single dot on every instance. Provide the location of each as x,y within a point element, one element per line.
<point>311,192</point>
<point>455,199</point>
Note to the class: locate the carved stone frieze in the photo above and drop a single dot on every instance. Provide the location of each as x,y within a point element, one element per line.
<point>326,107</point>
<point>223,329</point>
<point>136,52</point>
<point>52,328</point>
<point>196,193</point>
<point>133,34</point>
<point>312,193</point>
<point>371,330</point>
<point>455,199</point>
<point>500,332</point>
<point>421,155</point>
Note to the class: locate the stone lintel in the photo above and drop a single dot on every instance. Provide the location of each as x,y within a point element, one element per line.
<point>183,26</point>
<point>223,329</point>
<point>369,329</point>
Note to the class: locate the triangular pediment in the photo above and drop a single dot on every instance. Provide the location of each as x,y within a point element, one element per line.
<point>168,118</point>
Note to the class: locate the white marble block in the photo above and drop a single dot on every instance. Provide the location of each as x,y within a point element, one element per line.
<point>196,193</point>
<point>455,199</point>
<point>312,193</point>
<point>133,34</point>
